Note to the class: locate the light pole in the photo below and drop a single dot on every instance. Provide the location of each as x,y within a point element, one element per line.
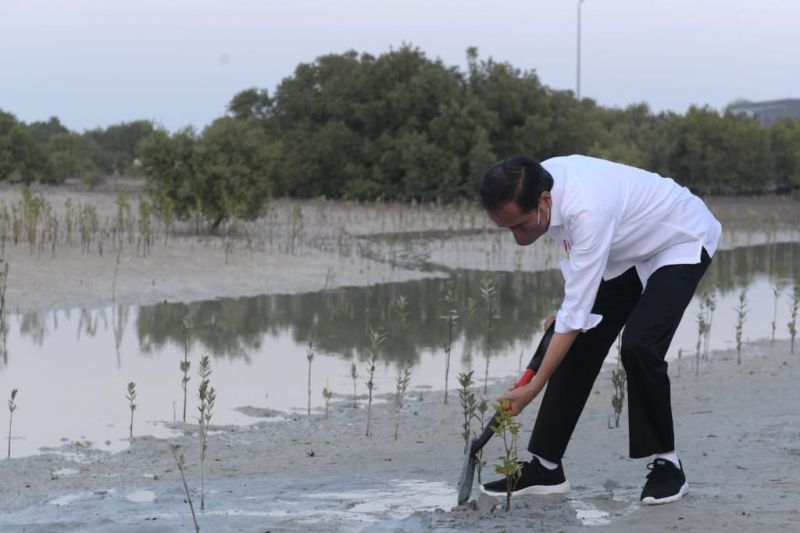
<point>578,84</point>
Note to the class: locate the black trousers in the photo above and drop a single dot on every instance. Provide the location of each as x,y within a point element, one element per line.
<point>650,318</point>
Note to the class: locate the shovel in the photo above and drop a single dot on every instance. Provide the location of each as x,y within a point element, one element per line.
<point>468,472</point>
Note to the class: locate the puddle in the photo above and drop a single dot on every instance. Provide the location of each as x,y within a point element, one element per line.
<point>141,496</point>
<point>65,472</point>
<point>590,515</point>
<point>276,503</point>
<point>75,497</point>
<point>65,500</point>
<point>397,500</point>
<point>258,347</point>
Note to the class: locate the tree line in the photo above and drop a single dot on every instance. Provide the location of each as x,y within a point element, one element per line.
<point>48,152</point>
<point>402,127</point>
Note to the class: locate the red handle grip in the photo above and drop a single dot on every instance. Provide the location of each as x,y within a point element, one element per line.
<point>526,378</point>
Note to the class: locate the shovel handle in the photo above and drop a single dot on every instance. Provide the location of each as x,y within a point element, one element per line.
<point>526,378</point>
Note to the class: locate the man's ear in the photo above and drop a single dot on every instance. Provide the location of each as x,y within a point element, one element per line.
<point>546,200</point>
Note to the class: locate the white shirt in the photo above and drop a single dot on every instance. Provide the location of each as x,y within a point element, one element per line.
<point>611,217</point>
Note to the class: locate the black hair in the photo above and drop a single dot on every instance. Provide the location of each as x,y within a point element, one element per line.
<point>519,179</point>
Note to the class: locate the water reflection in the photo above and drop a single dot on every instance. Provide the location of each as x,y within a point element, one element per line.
<point>734,269</point>
<point>81,360</point>
<point>339,319</point>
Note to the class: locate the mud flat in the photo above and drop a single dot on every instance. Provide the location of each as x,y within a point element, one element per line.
<point>299,246</point>
<point>737,431</point>
<point>737,426</point>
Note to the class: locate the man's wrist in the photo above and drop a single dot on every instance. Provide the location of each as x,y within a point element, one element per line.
<point>531,390</point>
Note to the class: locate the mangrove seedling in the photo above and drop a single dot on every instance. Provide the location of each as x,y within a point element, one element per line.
<point>131,396</point>
<point>471,307</point>
<point>32,208</point>
<point>468,405</point>
<point>227,245</point>
<point>145,230</point>
<point>185,365</point>
<point>507,428</point>
<point>376,339</point>
<point>403,379</point>
<point>618,399</point>
<point>116,271</point>
<point>5,222</point>
<point>710,304</point>
<point>310,357</point>
<point>12,406</point>
<point>166,212</point>
<point>450,316</point>
<point>327,394</point>
<point>3,287</point>
<point>489,297</point>
<point>741,315</point>
<point>354,375</point>
<point>483,407</point>
<point>207,396</point>
<point>776,292</point>
<point>701,331</point>
<point>181,462</point>
<point>123,216</point>
<point>400,306</point>
<point>793,315</point>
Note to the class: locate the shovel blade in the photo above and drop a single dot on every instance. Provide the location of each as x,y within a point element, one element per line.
<point>467,475</point>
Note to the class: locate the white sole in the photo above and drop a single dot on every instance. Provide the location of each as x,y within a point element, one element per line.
<point>669,499</point>
<point>538,490</point>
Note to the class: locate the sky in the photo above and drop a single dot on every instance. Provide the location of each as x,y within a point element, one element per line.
<point>179,62</point>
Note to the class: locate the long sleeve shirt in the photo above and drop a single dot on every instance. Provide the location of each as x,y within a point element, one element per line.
<point>610,217</point>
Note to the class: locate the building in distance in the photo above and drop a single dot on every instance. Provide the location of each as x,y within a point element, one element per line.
<point>768,113</point>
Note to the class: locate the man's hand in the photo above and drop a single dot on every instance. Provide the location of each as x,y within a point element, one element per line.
<point>518,398</point>
<point>522,396</point>
<point>549,319</point>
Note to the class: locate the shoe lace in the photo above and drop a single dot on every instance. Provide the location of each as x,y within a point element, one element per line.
<point>657,469</point>
<point>524,466</point>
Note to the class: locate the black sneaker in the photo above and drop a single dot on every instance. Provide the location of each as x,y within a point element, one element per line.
<point>665,483</point>
<point>533,479</point>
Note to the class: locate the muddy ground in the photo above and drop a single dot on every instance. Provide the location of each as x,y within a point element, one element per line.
<point>737,426</point>
<point>737,429</point>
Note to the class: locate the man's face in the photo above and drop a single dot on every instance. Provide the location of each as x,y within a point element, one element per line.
<point>526,227</point>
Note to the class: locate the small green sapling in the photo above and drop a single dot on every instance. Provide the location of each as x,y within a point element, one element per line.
<point>12,406</point>
<point>131,396</point>
<point>508,428</point>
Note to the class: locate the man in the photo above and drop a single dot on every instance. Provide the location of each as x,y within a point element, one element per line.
<point>636,246</point>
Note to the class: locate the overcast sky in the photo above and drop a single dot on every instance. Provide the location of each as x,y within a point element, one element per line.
<point>178,62</point>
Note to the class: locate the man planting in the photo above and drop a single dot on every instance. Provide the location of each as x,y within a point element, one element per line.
<point>636,246</point>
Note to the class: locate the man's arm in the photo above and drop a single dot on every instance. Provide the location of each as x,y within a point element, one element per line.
<point>558,348</point>
<point>592,232</point>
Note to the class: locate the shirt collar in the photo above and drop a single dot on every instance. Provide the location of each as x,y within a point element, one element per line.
<point>557,194</point>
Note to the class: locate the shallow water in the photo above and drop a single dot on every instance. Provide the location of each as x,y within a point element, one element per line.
<point>72,367</point>
<point>287,504</point>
